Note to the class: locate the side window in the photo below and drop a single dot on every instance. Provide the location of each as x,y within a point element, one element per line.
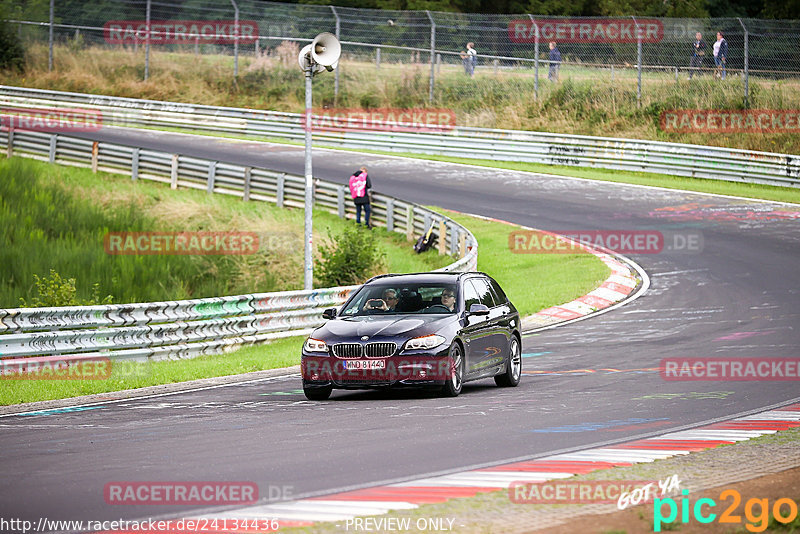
<point>500,296</point>
<point>484,294</point>
<point>470,295</point>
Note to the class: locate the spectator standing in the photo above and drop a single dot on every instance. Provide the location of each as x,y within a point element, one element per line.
<point>698,53</point>
<point>720,55</point>
<point>360,191</point>
<point>472,55</point>
<point>555,62</point>
<point>465,61</point>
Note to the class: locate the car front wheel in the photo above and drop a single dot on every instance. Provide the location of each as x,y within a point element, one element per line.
<point>452,387</point>
<point>317,393</point>
<point>511,376</point>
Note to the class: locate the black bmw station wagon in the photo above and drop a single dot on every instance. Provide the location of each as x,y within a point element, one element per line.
<point>427,330</point>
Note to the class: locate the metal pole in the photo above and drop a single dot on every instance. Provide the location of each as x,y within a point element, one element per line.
<point>433,53</point>
<point>378,58</point>
<point>536,59</point>
<point>638,63</point>
<point>50,56</point>
<point>336,76</point>
<point>746,65</point>
<point>308,272</point>
<point>235,39</point>
<point>147,43</point>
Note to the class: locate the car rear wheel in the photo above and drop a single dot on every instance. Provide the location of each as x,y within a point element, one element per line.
<point>317,393</point>
<point>513,372</point>
<point>452,387</point>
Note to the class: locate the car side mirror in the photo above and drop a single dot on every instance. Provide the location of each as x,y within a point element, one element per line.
<point>330,313</point>
<point>479,309</point>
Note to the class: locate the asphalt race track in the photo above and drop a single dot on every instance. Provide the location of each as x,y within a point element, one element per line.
<point>584,384</point>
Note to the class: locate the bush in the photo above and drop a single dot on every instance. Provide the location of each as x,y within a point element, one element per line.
<point>55,291</point>
<point>12,55</point>
<point>352,258</point>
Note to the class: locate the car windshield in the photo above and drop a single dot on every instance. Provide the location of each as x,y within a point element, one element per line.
<point>401,299</point>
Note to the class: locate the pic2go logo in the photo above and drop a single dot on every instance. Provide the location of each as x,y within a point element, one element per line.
<point>756,511</point>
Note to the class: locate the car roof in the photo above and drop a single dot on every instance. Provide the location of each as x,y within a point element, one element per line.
<point>415,278</point>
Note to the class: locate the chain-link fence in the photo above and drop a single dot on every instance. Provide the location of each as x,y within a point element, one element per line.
<point>642,52</point>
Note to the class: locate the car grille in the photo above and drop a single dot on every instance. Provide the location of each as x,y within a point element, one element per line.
<point>370,350</point>
<point>348,350</point>
<point>380,350</point>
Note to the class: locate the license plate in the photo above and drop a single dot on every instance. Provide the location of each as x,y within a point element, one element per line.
<point>364,364</point>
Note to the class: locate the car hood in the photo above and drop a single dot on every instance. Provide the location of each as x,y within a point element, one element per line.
<point>383,326</point>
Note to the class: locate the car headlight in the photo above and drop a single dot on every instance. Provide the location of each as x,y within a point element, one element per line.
<point>315,345</point>
<point>425,342</point>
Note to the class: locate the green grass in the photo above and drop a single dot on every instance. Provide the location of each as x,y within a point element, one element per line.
<point>54,217</point>
<point>131,375</point>
<point>532,281</point>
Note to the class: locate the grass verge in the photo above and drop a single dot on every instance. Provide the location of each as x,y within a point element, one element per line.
<point>532,281</point>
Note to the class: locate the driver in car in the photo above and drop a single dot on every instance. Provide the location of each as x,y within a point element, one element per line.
<point>449,299</point>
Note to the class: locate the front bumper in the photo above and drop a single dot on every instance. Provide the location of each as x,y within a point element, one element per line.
<point>399,370</point>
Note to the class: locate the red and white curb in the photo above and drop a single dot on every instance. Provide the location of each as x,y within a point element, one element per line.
<point>412,494</point>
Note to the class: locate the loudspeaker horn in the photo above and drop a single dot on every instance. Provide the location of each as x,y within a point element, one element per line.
<point>326,49</point>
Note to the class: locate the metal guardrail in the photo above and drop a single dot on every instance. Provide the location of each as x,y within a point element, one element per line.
<point>190,328</point>
<point>676,159</point>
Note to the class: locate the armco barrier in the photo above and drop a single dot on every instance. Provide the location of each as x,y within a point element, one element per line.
<point>165,330</point>
<point>507,145</point>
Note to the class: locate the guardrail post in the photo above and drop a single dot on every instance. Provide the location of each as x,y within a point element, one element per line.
<point>173,177</point>
<point>53,141</point>
<point>10,145</point>
<point>455,235</point>
<point>462,244</point>
<point>212,176</point>
<point>442,237</point>
<point>410,223</point>
<point>427,223</point>
<point>390,215</point>
<point>135,165</point>
<point>95,153</point>
<point>340,208</point>
<point>279,191</point>
<point>248,172</point>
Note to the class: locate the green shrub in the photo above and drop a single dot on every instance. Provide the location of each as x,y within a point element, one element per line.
<point>352,258</point>
<point>56,291</point>
<point>12,55</point>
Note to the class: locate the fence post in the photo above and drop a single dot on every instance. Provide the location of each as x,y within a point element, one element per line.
<point>612,72</point>
<point>390,215</point>
<point>410,223</point>
<point>50,37</point>
<point>638,62</point>
<point>676,74</point>
<point>280,190</point>
<point>235,38</point>
<point>135,164</point>
<point>535,58</point>
<point>173,178</point>
<point>248,174</point>
<point>378,58</point>
<point>340,207</point>
<point>433,53</point>
<point>53,141</point>
<point>495,62</point>
<point>439,63</point>
<point>147,43</point>
<point>336,73</point>
<point>746,65</point>
<point>212,176</point>
<point>95,153</point>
